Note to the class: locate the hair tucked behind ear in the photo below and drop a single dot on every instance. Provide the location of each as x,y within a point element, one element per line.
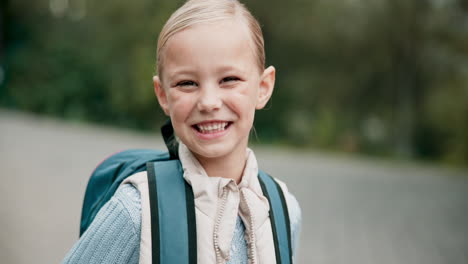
<point>207,11</point>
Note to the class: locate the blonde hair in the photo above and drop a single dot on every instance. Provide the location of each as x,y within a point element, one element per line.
<point>207,11</point>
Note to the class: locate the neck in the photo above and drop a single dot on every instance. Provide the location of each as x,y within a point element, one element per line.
<point>230,166</point>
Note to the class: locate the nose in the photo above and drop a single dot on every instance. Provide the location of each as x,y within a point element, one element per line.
<point>209,100</point>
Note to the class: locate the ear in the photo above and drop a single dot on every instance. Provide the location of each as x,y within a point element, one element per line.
<point>267,83</point>
<point>160,94</point>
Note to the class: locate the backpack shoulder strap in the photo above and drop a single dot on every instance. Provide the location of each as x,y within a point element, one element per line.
<point>279,218</point>
<point>172,206</point>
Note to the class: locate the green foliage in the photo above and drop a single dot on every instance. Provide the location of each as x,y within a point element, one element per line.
<point>382,77</point>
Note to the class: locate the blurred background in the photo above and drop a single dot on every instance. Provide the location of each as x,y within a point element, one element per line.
<point>369,119</point>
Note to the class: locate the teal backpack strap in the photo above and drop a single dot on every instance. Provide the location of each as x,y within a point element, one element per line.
<point>173,227</point>
<point>279,218</point>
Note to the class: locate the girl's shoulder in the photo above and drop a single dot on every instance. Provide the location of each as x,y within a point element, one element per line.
<point>129,197</point>
<point>294,209</point>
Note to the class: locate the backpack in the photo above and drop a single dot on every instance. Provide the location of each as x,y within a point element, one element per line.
<point>172,204</point>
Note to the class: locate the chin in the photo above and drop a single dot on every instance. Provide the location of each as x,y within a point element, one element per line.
<point>211,152</point>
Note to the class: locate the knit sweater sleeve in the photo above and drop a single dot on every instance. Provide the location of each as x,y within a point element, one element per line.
<point>114,235</point>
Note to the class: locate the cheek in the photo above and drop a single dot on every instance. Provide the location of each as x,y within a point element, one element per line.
<point>243,102</point>
<point>180,105</point>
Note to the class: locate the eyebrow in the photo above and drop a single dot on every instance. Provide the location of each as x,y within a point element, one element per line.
<point>227,68</point>
<point>181,72</point>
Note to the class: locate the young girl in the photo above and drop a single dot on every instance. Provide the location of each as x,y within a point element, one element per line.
<point>211,79</point>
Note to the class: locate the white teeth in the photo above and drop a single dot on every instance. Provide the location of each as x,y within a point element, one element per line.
<point>212,127</point>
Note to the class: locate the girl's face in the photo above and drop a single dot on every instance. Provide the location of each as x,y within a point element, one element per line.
<point>210,87</point>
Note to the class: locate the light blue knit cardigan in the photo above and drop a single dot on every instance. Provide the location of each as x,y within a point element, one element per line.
<point>114,235</point>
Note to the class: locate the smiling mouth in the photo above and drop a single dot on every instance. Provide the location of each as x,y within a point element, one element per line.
<point>212,127</point>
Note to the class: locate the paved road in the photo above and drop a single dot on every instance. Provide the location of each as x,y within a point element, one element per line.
<point>354,210</point>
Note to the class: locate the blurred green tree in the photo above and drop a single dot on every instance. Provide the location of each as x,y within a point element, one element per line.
<point>383,77</point>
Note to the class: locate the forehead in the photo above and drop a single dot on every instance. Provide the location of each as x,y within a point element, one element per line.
<point>222,43</point>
